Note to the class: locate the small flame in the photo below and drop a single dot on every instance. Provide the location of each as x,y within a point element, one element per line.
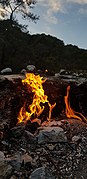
<point>70,113</point>
<point>39,99</point>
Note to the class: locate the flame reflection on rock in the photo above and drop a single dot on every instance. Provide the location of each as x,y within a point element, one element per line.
<point>70,113</point>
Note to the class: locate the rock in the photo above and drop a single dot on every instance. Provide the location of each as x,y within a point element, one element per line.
<point>41,173</point>
<point>15,161</point>
<point>13,177</point>
<point>2,158</point>
<point>5,171</point>
<point>51,134</point>
<point>75,74</point>
<point>62,71</point>
<point>30,68</point>
<point>1,135</point>
<point>76,139</point>
<point>12,78</point>
<point>68,77</point>
<point>81,75</point>
<point>4,143</point>
<point>23,150</point>
<point>26,158</point>
<point>2,78</point>
<point>51,147</point>
<point>23,71</point>
<point>17,131</point>
<point>29,136</point>
<point>6,70</point>
<point>57,74</point>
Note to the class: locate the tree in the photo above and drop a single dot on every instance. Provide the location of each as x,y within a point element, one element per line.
<point>12,7</point>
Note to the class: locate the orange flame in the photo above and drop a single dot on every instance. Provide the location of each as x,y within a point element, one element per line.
<point>70,113</point>
<point>39,99</point>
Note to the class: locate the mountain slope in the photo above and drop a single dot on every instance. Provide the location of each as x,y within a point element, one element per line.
<point>18,49</point>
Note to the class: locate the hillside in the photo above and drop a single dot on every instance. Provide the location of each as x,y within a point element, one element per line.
<point>19,49</point>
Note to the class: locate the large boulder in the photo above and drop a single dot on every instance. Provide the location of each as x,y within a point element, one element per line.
<point>51,134</point>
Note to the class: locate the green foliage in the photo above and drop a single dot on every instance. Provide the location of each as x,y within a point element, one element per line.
<point>19,49</point>
<point>10,9</point>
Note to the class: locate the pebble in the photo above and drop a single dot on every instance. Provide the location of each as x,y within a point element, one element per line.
<point>76,138</point>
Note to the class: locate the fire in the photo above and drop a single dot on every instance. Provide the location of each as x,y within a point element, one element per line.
<point>35,109</point>
<point>70,113</point>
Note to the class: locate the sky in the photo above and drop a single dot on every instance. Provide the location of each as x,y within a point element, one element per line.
<point>64,19</point>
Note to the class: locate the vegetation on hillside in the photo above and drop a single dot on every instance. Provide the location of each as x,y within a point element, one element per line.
<point>19,49</point>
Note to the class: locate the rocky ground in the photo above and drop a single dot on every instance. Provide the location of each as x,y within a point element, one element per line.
<point>55,150</point>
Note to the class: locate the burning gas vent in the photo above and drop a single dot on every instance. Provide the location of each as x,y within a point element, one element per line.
<point>33,111</point>
<point>42,127</point>
<point>34,84</point>
<point>34,99</point>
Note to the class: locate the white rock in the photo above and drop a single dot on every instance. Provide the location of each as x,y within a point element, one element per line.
<point>6,70</point>
<point>62,71</point>
<point>80,75</point>
<point>75,74</point>
<point>30,68</point>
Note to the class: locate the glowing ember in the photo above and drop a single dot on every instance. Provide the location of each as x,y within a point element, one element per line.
<point>70,113</point>
<point>35,109</point>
